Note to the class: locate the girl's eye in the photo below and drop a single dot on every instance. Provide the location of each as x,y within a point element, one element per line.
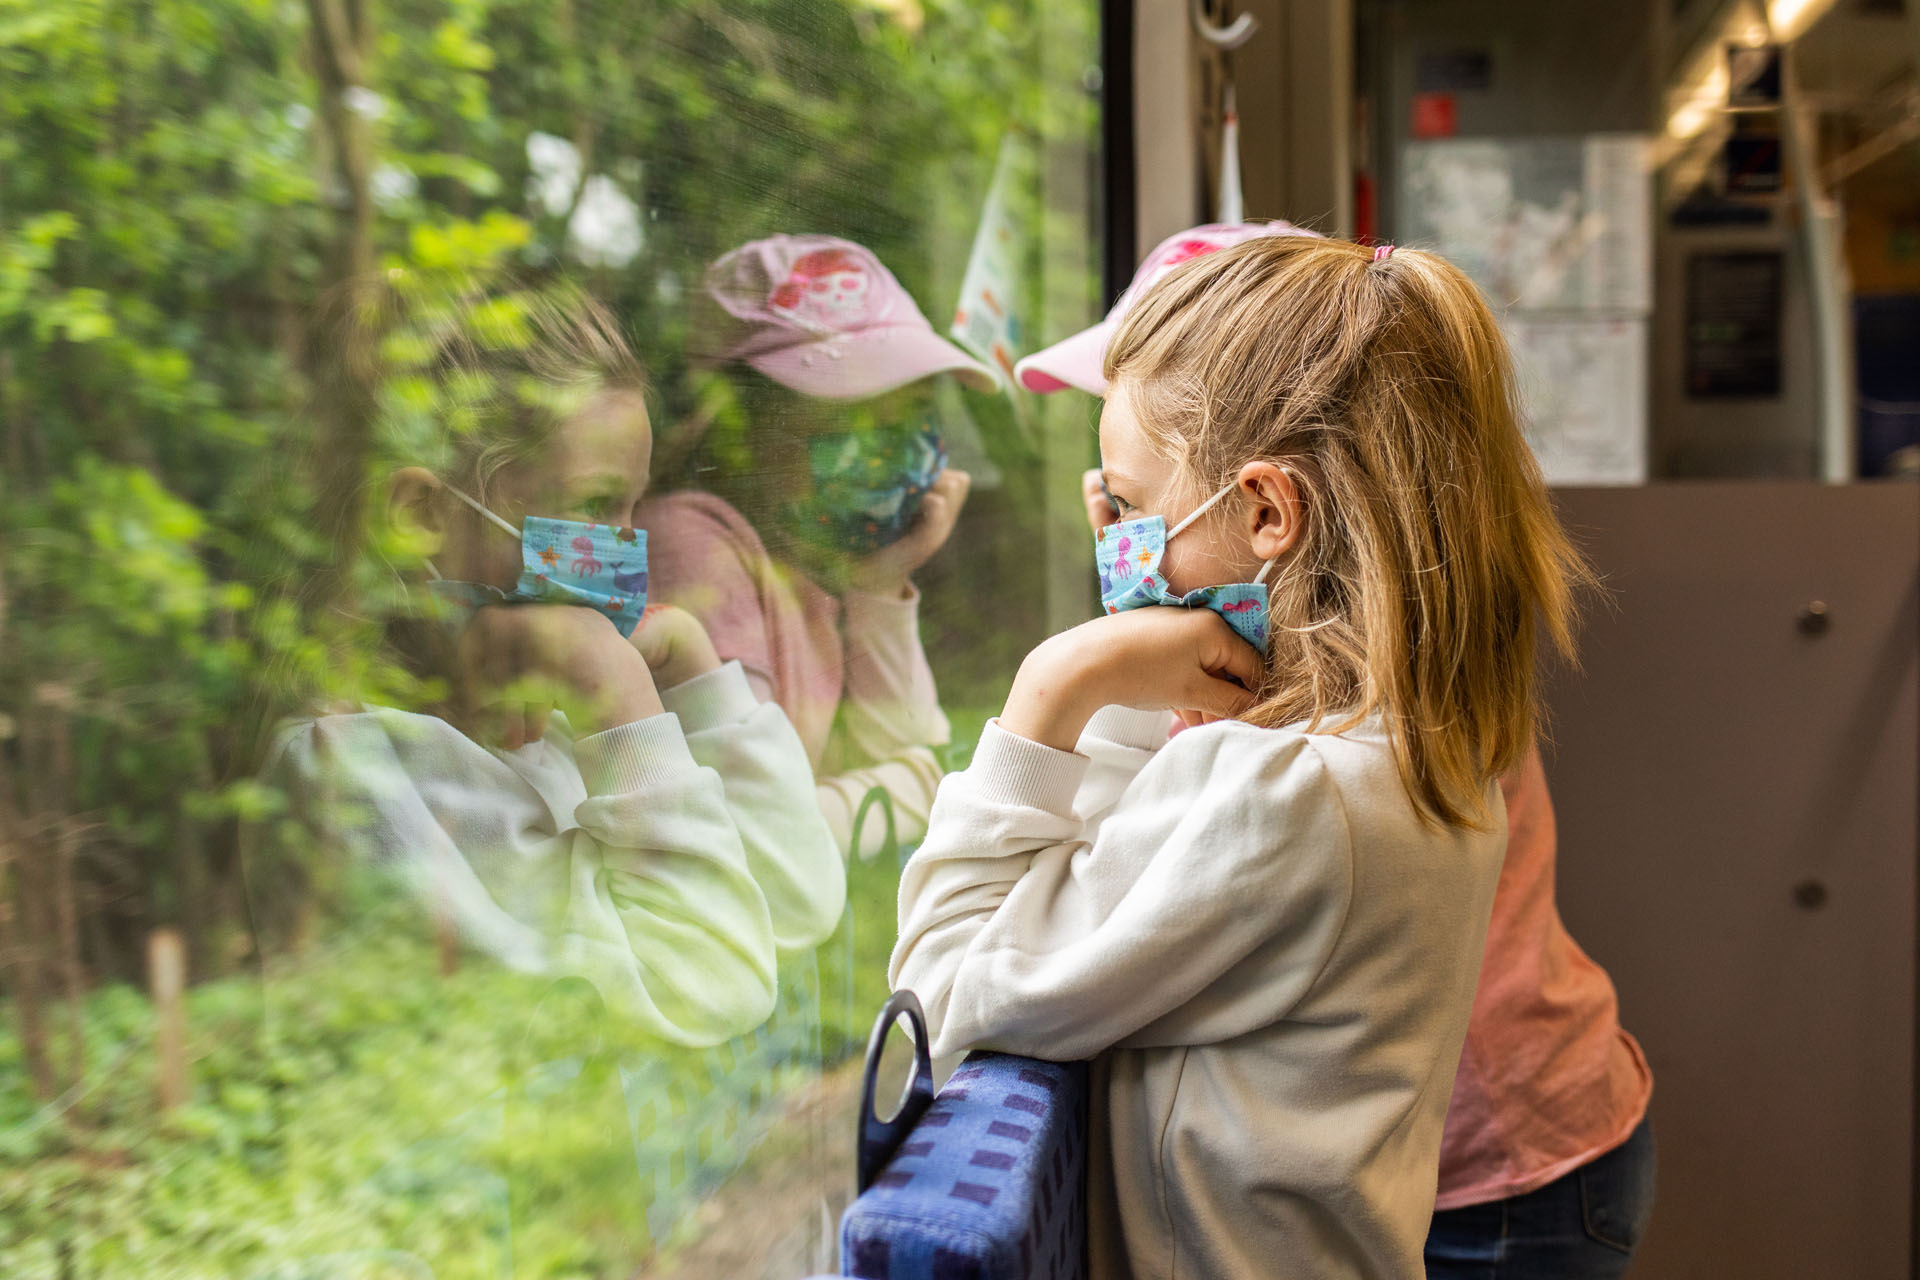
<point>599,508</point>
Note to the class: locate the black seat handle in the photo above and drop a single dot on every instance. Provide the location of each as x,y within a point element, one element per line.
<point>878,1139</point>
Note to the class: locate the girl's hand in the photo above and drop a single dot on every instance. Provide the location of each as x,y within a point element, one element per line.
<point>889,570</point>
<point>1152,658</point>
<point>517,663</point>
<point>674,645</point>
<point>1093,492</point>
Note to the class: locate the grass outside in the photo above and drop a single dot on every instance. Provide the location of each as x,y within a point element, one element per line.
<point>357,1114</point>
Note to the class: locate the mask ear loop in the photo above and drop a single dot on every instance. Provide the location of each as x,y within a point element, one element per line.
<point>1203,508</point>
<point>515,533</point>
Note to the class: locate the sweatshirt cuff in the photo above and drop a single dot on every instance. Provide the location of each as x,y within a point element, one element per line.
<point>1130,727</point>
<point>865,611</point>
<point>1013,770</point>
<point>717,697</point>
<point>634,757</point>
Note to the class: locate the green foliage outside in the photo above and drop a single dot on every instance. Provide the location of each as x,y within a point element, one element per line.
<point>359,1111</point>
<point>182,185</point>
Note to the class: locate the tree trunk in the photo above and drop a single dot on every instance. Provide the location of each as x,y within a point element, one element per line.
<point>63,826</point>
<point>18,909</point>
<point>344,387</point>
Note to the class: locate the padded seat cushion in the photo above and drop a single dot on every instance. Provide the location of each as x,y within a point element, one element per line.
<point>990,1185</point>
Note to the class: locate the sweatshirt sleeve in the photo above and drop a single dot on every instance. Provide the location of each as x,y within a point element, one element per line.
<point>910,780</point>
<point>791,851</point>
<point>890,701</point>
<point>619,863</point>
<point>1224,867</point>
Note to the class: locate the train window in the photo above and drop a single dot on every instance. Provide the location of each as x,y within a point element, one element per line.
<point>509,509</point>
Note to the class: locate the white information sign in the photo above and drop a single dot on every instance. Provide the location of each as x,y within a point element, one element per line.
<point>1583,382</point>
<point>1541,224</point>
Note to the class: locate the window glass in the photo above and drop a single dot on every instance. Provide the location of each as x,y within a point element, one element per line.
<point>508,510</point>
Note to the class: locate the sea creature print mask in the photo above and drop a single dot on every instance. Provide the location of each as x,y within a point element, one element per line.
<point>1129,552</point>
<point>595,566</point>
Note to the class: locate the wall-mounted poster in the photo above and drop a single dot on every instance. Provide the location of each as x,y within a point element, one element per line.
<point>1557,232</point>
<point>1733,324</point>
<point>1541,224</point>
<point>1583,382</point>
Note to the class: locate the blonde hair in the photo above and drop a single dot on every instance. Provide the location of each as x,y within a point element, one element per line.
<point>1430,558</point>
<point>476,375</point>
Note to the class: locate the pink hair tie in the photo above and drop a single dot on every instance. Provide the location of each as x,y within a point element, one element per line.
<point>1382,252</point>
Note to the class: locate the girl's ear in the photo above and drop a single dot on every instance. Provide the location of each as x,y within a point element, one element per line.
<point>1277,517</point>
<point>414,509</point>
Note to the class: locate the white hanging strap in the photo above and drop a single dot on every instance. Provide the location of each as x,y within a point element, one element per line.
<point>1230,36</point>
<point>1230,207</point>
<point>1203,508</point>
<point>1265,569</point>
<point>483,511</point>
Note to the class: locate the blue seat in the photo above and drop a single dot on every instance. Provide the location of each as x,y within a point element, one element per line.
<point>985,1182</point>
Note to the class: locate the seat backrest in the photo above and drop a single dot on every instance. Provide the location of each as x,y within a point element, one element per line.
<point>990,1184</point>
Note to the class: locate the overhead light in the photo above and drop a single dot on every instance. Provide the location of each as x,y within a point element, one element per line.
<point>1791,18</point>
<point>1706,97</point>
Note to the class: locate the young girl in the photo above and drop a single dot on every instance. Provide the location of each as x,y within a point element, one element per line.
<point>834,368</point>
<point>591,797</point>
<point>1547,1161</point>
<point>1269,927</point>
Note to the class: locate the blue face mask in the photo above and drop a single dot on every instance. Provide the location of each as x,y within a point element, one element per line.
<point>1129,553</point>
<point>595,566</point>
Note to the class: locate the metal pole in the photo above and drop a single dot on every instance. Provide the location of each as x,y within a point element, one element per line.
<point>1827,285</point>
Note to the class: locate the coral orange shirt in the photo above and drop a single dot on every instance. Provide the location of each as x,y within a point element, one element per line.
<point>1549,1080</point>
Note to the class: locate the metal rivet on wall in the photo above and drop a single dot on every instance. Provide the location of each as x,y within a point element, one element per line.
<point>1811,895</point>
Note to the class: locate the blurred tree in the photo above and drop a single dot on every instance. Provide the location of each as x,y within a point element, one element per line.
<point>192,193</point>
<point>183,186</point>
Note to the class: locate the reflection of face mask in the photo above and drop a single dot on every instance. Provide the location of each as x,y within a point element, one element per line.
<point>596,566</point>
<point>867,485</point>
<point>1129,555</point>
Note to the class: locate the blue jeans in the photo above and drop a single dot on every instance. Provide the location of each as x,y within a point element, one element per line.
<point>1582,1227</point>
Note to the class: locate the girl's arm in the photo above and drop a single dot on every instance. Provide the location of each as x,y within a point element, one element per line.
<point>790,849</point>
<point>619,862</point>
<point>698,936</point>
<point>1019,933</point>
<point>910,780</point>
<point>888,725</point>
<point>891,703</point>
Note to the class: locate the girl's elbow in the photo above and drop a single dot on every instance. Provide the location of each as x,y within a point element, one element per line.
<point>749,1002</point>
<point>739,995</point>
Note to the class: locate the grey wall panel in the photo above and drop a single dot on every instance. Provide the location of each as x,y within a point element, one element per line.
<point>1739,806</point>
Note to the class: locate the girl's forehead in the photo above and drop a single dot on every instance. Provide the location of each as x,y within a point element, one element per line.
<point>1125,450</point>
<point>610,431</point>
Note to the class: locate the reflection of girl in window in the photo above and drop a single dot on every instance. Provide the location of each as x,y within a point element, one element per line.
<point>595,794</point>
<point>1267,927</point>
<point>837,462</point>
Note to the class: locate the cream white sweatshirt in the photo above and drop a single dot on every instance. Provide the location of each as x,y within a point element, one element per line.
<point>1269,955</point>
<point>669,861</point>
<point>889,726</point>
